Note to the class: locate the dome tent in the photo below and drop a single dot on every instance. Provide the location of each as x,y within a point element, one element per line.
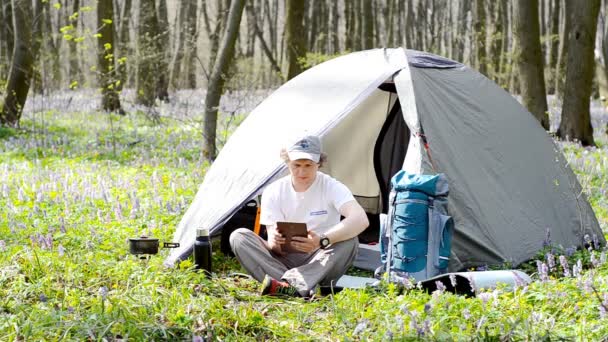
<point>382,110</point>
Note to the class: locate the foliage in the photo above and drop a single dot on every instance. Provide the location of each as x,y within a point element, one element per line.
<point>73,190</point>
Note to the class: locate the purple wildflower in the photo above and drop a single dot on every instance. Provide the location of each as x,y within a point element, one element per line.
<point>564,263</point>
<point>588,285</point>
<point>570,251</point>
<point>543,270</point>
<point>60,250</point>
<point>43,298</point>
<point>593,258</point>
<point>2,246</point>
<point>453,280</point>
<point>485,297</point>
<point>596,242</point>
<point>550,261</point>
<point>360,327</point>
<point>466,314</point>
<point>427,307</point>
<point>471,283</point>
<point>103,292</point>
<point>440,286</point>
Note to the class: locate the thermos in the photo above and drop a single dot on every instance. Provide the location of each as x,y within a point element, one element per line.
<point>202,251</point>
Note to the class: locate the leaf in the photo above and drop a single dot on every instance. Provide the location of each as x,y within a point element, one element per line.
<point>107,21</point>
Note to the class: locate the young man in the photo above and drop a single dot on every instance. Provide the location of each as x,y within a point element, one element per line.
<point>308,196</point>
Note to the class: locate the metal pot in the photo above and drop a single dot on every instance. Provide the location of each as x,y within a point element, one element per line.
<point>147,245</point>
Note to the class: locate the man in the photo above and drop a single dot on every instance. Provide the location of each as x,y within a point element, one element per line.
<point>309,196</point>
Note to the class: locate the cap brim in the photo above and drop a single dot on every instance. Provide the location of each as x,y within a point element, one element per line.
<point>303,155</point>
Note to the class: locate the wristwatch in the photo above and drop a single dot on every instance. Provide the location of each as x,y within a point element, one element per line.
<point>324,241</point>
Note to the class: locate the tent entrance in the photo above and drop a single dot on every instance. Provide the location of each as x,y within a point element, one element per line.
<point>390,149</point>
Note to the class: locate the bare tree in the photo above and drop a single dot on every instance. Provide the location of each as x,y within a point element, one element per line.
<point>295,37</point>
<point>480,36</point>
<point>74,72</point>
<point>216,82</point>
<point>576,119</point>
<point>110,100</point>
<point>529,59</point>
<point>24,54</point>
<point>6,37</point>
<point>553,44</point>
<point>368,25</point>
<point>151,70</point>
<point>564,46</point>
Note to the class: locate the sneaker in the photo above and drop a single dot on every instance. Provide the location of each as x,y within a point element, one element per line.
<point>273,287</point>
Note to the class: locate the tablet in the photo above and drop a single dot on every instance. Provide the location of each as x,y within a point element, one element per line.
<point>289,229</point>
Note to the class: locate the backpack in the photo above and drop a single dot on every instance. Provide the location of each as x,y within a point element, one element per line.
<point>415,240</point>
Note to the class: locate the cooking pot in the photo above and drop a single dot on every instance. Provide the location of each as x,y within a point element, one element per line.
<point>147,245</point>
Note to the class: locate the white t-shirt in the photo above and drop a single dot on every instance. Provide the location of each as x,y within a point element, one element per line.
<point>317,207</point>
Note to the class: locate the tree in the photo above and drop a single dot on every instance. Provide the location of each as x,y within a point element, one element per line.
<point>217,80</point>
<point>75,74</point>
<point>529,59</point>
<point>576,119</point>
<point>295,37</point>
<point>106,73</point>
<point>150,83</point>
<point>24,53</point>
<point>553,45</point>
<point>480,36</point>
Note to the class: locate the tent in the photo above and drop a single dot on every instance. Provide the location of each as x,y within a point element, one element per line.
<point>382,110</point>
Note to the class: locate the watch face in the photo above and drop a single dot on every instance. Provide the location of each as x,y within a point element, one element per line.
<point>324,242</point>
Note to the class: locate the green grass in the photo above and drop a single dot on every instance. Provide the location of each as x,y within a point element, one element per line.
<point>75,187</point>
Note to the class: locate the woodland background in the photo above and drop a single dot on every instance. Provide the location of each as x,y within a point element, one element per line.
<point>157,47</point>
<point>111,112</point>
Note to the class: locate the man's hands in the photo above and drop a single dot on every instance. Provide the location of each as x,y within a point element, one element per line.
<point>299,243</point>
<point>306,244</point>
<point>275,241</point>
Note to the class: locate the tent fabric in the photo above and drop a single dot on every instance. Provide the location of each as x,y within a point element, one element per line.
<point>311,103</point>
<point>509,183</point>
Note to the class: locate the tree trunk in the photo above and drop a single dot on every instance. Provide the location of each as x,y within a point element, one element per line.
<point>529,59</point>
<point>348,23</point>
<point>179,38</point>
<point>24,54</point>
<point>106,72</point>
<point>7,32</point>
<point>295,37</point>
<point>368,25</point>
<point>216,82</point>
<point>191,51</point>
<point>162,85</point>
<point>410,26</point>
<point>553,45</point>
<point>480,36</point>
<point>74,69</point>
<point>576,119</point>
<point>335,32</point>
<point>215,36</point>
<point>149,54</point>
<point>260,35</point>
<point>4,59</point>
<point>51,59</point>
<point>564,46</point>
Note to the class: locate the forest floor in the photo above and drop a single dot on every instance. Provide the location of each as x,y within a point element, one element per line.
<point>76,184</point>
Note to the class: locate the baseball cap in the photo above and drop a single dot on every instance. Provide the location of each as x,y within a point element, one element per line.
<point>308,147</point>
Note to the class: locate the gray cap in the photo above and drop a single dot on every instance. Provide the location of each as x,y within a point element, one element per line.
<point>308,147</point>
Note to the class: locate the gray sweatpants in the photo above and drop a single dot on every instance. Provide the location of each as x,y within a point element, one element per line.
<point>303,271</point>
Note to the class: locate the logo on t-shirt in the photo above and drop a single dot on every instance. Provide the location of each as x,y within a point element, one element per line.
<point>318,213</point>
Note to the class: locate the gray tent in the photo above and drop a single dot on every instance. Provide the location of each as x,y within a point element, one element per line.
<point>382,110</point>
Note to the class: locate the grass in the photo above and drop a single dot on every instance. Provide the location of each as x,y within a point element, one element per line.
<point>75,186</point>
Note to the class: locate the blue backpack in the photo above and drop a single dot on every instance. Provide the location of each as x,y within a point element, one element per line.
<point>416,239</point>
